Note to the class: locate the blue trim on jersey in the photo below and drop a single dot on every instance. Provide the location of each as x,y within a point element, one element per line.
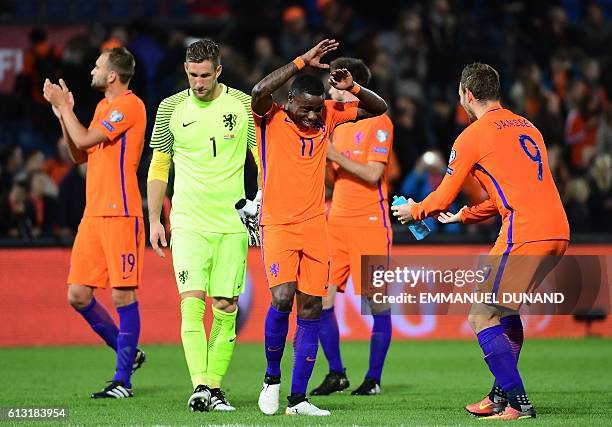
<point>504,259</point>
<point>136,247</point>
<point>500,270</point>
<point>107,125</point>
<point>263,165</point>
<point>503,198</point>
<point>384,215</point>
<point>121,166</point>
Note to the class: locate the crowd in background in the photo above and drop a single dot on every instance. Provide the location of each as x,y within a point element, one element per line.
<point>554,59</point>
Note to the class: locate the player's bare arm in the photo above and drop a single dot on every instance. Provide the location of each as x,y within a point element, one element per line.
<point>261,95</point>
<point>156,190</point>
<point>77,155</point>
<point>449,217</point>
<point>370,104</point>
<point>370,172</point>
<point>59,97</point>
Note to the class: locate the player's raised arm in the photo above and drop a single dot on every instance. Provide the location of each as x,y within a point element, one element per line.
<point>261,95</point>
<point>77,155</point>
<point>59,97</point>
<point>370,104</point>
<point>463,159</point>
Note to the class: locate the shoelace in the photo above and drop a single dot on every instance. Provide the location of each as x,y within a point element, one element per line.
<point>221,397</point>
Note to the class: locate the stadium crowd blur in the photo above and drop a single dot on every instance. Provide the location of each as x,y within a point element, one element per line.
<point>555,61</point>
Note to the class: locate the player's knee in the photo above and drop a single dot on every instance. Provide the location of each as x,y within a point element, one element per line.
<point>479,322</point>
<point>123,297</point>
<point>483,316</point>
<point>377,308</point>
<point>282,296</point>
<point>311,308</point>
<point>283,302</point>
<point>227,305</point>
<point>79,297</point>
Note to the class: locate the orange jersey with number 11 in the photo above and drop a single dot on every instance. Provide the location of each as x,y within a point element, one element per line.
<point>293,162</point>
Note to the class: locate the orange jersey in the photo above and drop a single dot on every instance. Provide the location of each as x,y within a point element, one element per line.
<point>293,162</point>
<point>112,186</point>
<point>507,155</point>
<point>356,202</point>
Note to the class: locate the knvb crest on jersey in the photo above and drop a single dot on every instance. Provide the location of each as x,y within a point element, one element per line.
<point>358,138</point>
<point>182,276</point>
<point>229,121</point>
<point>275,269</point>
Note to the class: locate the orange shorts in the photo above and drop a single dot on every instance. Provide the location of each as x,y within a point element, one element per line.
<point>297,253</point>
<point>346,247</point>
<point>521,267</point>
<point>108,250</point>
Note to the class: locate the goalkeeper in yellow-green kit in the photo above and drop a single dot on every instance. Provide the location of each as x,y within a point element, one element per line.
<point>205,131</point>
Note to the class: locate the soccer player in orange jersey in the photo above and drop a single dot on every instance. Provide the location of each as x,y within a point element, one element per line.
<point>358,224</point>
<point>507,155</point>
<point>292,142</point>
<point>109,244</point>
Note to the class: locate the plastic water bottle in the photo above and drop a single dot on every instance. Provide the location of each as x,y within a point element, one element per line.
<point>419,229</point>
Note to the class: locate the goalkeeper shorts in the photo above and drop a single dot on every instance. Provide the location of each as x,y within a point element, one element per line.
<point>211,262</point>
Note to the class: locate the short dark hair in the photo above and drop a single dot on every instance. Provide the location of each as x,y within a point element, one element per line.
<point>358,69</point>
<point>203,50</point>
<point>121,61</point>
<point>307,83</point>
<point>482,80</point>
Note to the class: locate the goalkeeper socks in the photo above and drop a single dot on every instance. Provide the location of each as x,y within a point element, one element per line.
<point>513,327</point>
<point>276,328</point>
<point>101,322</point>
<point>379,344</point>
<point>503,364</point>
<point>220,345</point>
<point>127,341</point>
<point>194,338</point>
<point>305,346</point>
<point>330,340</point>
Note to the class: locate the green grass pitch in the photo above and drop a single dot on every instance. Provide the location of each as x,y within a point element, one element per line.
<point>424,383</point>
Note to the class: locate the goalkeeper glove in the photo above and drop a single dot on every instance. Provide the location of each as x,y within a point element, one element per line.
<point>248,210</point>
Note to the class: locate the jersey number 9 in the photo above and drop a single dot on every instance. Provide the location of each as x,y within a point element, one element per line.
<point>537,157</point>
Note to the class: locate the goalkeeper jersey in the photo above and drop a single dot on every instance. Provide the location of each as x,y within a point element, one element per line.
<point>208,142</point>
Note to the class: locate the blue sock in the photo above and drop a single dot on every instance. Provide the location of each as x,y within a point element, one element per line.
<point>101,322</point>
<point>513,327</point>
<point>502,363</point>
<point>127,341</point>
<point>276,328</point>
<point>305,346</point>
<point>379,344</point>
<point>330,339</point>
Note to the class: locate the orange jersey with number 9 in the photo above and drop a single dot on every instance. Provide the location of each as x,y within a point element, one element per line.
<point>506,154</point>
